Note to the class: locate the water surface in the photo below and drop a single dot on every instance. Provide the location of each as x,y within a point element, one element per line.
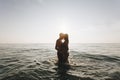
<point>38,62</point>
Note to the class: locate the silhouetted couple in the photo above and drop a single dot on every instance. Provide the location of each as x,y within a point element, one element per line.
<point>62,48</point>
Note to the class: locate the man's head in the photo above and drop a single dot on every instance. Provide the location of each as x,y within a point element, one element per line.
<point>61,35</point>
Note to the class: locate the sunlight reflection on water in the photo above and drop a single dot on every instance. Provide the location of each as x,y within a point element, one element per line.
<point>38,62</point>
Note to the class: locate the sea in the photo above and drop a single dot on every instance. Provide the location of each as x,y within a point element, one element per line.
<point>87,61</point>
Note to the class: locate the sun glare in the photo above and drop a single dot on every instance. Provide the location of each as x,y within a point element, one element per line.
<point>64,30</point>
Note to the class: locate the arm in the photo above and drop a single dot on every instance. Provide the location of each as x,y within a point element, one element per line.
<point>67,45</point>
<point>56,45</point>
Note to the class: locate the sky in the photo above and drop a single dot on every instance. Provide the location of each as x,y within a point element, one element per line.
<point>41,21</point>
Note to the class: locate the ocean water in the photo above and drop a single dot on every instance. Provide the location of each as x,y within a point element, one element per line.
<point>39,62</point>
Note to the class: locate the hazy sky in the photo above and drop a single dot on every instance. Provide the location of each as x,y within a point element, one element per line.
<point>38,21</point>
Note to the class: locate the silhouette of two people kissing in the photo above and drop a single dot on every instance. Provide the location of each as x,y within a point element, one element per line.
<point>62,48</point>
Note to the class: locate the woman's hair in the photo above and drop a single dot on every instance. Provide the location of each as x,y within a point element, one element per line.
<point>66,37</point>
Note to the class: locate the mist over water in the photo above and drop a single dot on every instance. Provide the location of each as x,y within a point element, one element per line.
<point>38,62</point>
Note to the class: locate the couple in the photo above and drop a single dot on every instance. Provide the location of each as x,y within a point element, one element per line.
<point>62,48</point>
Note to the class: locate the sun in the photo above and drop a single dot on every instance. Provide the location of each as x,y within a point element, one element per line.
<point>63,29</point>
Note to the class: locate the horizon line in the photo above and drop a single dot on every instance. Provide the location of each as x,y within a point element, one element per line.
<point>69,43</point>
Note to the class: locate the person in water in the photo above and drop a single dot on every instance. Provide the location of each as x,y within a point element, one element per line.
<point>65,48</point>
<point>62,48</point>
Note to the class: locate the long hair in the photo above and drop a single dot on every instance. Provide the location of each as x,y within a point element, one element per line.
<point>66,41</point>
<point>66,38</point>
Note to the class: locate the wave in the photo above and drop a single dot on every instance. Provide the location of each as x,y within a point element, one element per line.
<point>34,63</point>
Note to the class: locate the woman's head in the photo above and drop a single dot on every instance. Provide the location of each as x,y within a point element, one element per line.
<point>66,36</point>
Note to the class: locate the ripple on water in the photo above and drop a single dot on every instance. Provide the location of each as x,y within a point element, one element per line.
<point>40,64</point>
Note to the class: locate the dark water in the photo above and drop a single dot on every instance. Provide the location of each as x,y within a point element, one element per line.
<point>38,62</point>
